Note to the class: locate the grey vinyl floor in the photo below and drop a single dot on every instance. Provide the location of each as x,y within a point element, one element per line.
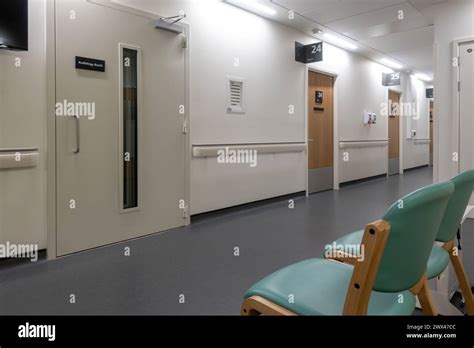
<point>199,261</point>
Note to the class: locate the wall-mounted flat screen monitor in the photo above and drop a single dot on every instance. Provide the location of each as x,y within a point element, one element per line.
<point>14,24</point>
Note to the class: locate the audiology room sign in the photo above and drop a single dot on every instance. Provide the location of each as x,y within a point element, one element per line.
<point>84,63</point>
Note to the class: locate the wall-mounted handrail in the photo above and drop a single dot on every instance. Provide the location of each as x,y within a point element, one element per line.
<point>19,149</point>
<point>212,150</point>
<point>16,158</point>
<point>362,143</point>
<point>421,141</point>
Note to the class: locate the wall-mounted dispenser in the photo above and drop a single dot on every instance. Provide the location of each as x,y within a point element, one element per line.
<point>370,118</point>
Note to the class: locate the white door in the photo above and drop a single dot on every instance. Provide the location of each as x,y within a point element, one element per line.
<point>467,107</point>
<point>120,144</point>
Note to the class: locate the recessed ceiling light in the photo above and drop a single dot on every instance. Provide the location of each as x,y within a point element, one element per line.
<point>340,42</point>
<point>254,6</point>
<point>392,64</point>
<point>423,77</point>
<point>317,31</point>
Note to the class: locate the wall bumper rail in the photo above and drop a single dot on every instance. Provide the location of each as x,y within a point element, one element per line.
<point>421,141</point>
<point>19,158</point>
<point>364,143</point>
<point>200,151</point>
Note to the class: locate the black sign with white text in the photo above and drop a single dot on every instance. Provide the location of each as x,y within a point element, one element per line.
<point>319,97</point>
<point>430,93</point>
<point>307,54</point>
<point>391,79</point>
<point>90,64</point>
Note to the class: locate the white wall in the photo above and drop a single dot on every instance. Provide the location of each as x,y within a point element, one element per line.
<point>220,33</point>
<point>360,90</point>
<point>273,81</point>
<point>22,124</point>
<point>453,20</point>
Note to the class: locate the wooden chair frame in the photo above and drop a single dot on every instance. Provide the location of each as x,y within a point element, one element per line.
<point>361,284</point>
<point>421,289</point>
<point>464,283</point>
<point>426,303</point>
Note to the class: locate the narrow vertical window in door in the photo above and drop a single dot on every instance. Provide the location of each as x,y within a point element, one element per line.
<point>130,128</point>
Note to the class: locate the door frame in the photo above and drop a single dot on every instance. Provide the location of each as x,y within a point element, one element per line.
<point>456,108</point>
<point>401,131</point>
<point>335,76</point>
<point>443,285</point>
<point>51,189</point>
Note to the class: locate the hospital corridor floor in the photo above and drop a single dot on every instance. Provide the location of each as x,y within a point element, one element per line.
<point>205,268</point>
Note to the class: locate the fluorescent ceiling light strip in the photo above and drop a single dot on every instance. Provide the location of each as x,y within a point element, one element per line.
<point>340,42</point>
<point>253,5</point>
<point>391,63</point>
<point>423,77</point>
<point>386,69</point>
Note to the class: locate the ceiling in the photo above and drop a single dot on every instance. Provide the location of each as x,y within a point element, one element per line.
<point>373,25</point>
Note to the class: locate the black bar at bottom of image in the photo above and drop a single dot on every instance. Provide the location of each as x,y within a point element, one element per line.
<point>217,329</point>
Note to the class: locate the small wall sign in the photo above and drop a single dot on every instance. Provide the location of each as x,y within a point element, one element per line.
<point>392,79</point>
<point>307,54</point>
<point>430,93</point>
<point>319,97</point>
<point>90,64</point>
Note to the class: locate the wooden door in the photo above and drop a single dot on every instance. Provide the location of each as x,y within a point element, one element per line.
<point>394,132</point>
<point>321,121</point>
<point>320,131</point>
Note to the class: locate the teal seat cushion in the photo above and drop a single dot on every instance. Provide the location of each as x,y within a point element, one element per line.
<point>319,287</point>
<point>438,261</point>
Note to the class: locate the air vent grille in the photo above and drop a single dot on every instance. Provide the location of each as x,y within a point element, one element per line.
<point>236,96</point>
<point>236,93</point>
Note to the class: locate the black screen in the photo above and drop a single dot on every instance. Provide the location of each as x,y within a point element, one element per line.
<point>14,24</point>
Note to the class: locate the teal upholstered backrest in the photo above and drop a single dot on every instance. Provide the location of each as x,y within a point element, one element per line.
<point>463,187</point>
<point>414,222</point>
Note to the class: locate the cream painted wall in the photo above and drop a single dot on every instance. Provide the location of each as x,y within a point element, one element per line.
<point>453,20</point>
<point>22,124</point>
<point>272,85</point>
<point>219,34</point>
<point>360,90</point>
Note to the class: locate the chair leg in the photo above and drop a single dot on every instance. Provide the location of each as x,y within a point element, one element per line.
<point>463,282</point>
<point>426,301</point>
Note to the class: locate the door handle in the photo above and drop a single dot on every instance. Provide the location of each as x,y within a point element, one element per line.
<point>78,135</point>
<point>310,140</point>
